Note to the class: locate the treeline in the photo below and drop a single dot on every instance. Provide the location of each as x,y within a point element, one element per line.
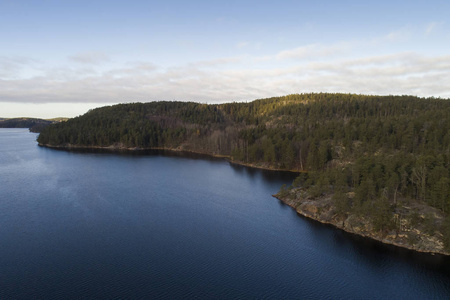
<point>35,125</point>
<point>144,125</point>
<point>376,146</point>
<point>380,182</point>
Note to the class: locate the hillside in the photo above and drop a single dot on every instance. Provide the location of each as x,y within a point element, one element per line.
<point>34,124</point>
<point>372,155</point>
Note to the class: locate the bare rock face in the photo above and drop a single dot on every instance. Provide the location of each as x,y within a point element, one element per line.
<point>309,209</point>
<point>408,235</point>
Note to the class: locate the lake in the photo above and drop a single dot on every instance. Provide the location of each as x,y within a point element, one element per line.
<point>153,225</point>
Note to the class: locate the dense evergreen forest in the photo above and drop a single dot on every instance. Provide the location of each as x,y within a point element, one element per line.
<point>35,125</point>
<point>370,152</point>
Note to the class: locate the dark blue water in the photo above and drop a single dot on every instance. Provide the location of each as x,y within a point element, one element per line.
<point>102,225</point>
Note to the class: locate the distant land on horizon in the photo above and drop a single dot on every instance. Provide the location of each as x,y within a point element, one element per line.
<point>34,124</point>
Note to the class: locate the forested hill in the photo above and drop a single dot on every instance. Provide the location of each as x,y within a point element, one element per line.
<point>297,132</point>
<point>378,156</point>
<point>34,124</point>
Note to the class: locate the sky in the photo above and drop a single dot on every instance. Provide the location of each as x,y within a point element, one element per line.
<point>62,58</point>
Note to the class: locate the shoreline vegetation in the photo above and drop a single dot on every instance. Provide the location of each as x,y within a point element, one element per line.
<point>116,148</point>
<point>376,166</point>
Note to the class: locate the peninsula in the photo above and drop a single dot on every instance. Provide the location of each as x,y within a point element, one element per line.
<point>377,166</point>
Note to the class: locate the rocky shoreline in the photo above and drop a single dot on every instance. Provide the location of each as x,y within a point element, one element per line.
<point>407,236</point>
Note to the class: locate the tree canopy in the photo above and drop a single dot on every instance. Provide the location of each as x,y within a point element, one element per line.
<point>376,146</point>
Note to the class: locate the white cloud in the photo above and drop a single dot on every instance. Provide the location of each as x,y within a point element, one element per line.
<point>132,69</point>
<point>242,45</point>
<point>313,51</point>
<point>249,45</point>
<point>12,66</point>
<point>263,58</point>
<point>401,73</point>
<point>431,27</point>
<point>91,58</point>
<point>400,35</point>
<point>297,53</point>
<point>355,67</point>
<point>218,61</point>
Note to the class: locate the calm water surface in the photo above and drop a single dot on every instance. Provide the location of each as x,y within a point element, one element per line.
<point>101,225</point>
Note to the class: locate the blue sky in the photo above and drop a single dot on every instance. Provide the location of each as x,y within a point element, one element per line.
<point>61,58</point>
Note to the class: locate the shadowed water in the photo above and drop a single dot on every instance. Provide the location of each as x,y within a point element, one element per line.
<point>103,225</point>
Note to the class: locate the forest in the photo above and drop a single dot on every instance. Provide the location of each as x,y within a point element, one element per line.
<point>35,125</point>
<point>383,151</point>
